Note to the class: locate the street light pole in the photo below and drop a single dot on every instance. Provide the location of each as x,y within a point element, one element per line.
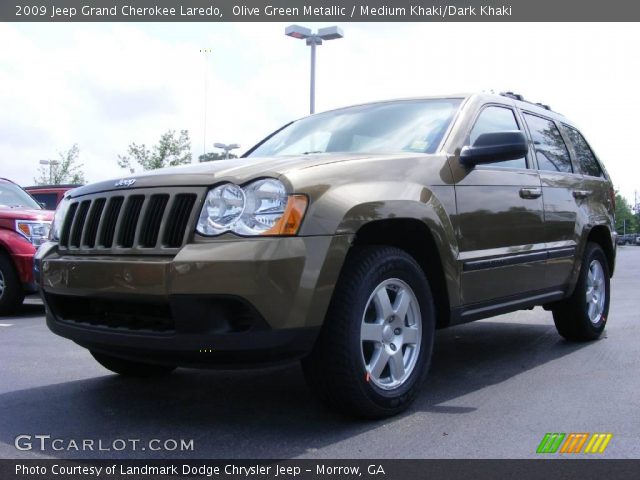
<point>313,40</point>
<point>206,52</point>
<point>312,82</point>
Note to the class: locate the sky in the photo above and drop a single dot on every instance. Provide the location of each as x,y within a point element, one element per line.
<point>105,85</point>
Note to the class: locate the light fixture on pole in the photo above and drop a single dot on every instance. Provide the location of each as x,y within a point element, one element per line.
<point>227,147</point>
<point>51,163</point>
<point>313,39</point>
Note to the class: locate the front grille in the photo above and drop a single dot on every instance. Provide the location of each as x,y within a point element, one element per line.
<point>135,221</point>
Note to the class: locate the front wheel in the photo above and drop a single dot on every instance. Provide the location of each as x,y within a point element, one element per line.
<point>375,346</point>
<point>130,368</point>
<point>583,316</point>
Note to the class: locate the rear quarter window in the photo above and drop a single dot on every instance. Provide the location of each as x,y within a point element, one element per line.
<point>551,151</point>
<point>586,161</point>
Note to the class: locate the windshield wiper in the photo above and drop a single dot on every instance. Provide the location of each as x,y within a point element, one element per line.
<point>312,152</point>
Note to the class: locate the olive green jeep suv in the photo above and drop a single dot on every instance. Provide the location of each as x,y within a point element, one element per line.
<point>344,239</point>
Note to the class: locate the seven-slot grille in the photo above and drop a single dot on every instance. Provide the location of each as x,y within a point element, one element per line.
<point>133,220</point>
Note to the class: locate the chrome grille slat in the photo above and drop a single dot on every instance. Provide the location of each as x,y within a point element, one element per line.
<point>140,221</point>
<point>129,221</point>
<point>150,226</point>
<point>66,227</point>
<point>91,231</point>
<point>174,233</point>
<point>78,224</point>
<point>108,232</point>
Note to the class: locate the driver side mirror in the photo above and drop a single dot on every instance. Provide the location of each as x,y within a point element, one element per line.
<point>495,147</point>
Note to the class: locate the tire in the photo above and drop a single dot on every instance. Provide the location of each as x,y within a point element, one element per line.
<point>129,368</point>
<point>11,293</point>
<point>357,364</point>
<point>577,319</point>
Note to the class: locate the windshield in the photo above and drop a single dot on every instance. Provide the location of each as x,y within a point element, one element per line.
<point>391,127</point>
<point>13,196</point>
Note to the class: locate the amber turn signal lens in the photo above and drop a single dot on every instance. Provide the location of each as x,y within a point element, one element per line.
<point>290,222</point>
<point>24,229</point>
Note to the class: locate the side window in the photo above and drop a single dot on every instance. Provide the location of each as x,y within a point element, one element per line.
<point>551,151</point>
<point>49,199</point>
<point>587,163</point>
<point>497,119</point>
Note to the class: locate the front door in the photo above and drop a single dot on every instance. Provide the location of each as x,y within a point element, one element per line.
<point>500,220</point>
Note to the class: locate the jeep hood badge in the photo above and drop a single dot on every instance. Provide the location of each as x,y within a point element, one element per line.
<point>125,182</point>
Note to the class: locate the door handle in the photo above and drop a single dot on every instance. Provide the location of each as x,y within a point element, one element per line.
<point>530,193</point>
<point>581,193</point>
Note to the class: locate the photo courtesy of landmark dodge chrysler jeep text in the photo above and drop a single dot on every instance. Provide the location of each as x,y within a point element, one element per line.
<point>343,239</point>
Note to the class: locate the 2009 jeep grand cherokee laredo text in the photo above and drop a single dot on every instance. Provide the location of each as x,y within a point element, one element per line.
<point>344,239</point>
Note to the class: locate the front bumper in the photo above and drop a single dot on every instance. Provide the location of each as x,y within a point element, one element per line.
<point>222,302</point>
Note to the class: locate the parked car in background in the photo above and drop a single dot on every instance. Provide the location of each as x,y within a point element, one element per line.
<point>24,225</point>
<point>49,196</point>
<point>628,239</point>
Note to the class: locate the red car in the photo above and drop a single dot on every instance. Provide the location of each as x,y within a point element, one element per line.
<point>24,225</point>
<point>49,196</point>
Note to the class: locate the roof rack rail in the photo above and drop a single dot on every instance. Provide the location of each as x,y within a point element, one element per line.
<point>517,96</point>
<point>543,105</point>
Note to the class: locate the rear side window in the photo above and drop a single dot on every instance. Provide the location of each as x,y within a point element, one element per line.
<point>551,151</point>
<point>587,163</point>
<point>497,119</point>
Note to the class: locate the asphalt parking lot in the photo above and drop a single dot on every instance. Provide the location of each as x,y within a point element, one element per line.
<point>495,388</point>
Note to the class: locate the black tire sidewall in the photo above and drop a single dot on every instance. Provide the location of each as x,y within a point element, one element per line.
<point>12,296</point>
<point>401,266</point>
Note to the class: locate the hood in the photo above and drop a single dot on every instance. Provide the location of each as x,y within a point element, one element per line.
<point>237,170</point>
<point>18,213</point>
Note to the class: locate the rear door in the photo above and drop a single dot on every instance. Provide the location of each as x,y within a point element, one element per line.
<point>500,219</point>
<point>594,193</point>
<point>561,187</point>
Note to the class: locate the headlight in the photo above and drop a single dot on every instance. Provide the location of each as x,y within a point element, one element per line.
<point>260,208</point>
<point>58,219</point>
<point>36,232</point>
<point>221,210</point>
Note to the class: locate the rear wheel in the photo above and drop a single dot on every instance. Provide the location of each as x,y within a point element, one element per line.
<point>375,346</point>
<point>11,293</point>
<point>583,316</point>
<point>130,368</point>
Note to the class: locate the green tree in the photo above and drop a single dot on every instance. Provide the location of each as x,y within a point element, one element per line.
<point>65,170</point>
<point>170,151</point>
<point>211,156</point>
<point>624,215</point>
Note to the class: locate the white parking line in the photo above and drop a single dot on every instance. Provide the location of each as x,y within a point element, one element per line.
<point>6,324</point>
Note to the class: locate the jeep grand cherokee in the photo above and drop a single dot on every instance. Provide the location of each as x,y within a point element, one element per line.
<point>343,239</point>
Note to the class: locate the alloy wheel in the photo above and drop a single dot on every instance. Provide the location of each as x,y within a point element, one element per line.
<point>391,334</point>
